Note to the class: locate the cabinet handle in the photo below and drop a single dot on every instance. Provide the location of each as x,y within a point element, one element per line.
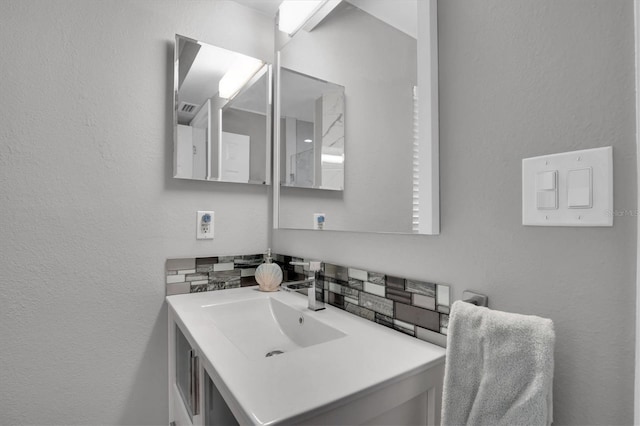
<point>195,384</point>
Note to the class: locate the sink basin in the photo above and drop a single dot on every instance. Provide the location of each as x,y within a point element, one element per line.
<point>262,328</point>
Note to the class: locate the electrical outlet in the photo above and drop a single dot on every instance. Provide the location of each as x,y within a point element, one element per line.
<point>318,221</point>
<point>204,225</point>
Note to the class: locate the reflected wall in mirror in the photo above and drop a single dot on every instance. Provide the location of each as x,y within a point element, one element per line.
<point>222,115</point>
<point>312,132</point>
<point>384,54</point>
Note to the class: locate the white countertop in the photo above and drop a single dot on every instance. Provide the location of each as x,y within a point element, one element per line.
<point>308,380</point>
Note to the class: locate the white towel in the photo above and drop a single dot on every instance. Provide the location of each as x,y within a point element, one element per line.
<point>499,368</point>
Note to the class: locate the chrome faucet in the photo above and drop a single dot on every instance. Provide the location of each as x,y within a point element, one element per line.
<point>309,284</point>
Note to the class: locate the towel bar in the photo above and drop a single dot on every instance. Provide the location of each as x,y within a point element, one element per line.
<point>475,298</point>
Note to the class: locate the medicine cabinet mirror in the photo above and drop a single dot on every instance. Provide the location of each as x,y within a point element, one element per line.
<point>222,114</point>
<point>382,54</point>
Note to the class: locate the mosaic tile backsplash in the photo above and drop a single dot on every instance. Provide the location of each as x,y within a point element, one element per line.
<point>417,308</point>
<point>211,273</point>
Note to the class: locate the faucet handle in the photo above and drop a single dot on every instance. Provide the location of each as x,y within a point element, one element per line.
<point>314,266</point>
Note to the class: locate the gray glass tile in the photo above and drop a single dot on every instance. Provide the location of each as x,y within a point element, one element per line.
<point>443,309</point>
<point>247,272</point>
<point>360,311</point>
<point>336,299</point>
<point>431,337</point>
<point>252,258</point>
<point>205,264</point>
<point>421,287</point>
<point>196,277</point>
<point>395,282</point>
<point>226,259</point>
<point>444,320</point>
<point>248,281</point>
<point>384,320</point>
<point>226,266</point>
<point>376,289</point>
<point>352,300</point>
<point>178,278</point>
<point>403,324</point>
<point>358,274</point>
<point>377,303</point>
<point>345,291</point>
<point>355,283</point>
<point>178,288</point>
<point>206,260</point>
<point>176,264</point>
<point>335,271</point>
<point>409,331</point>
<point>224,279</point>
<point>414,315</point>
<point>376,278</point>
<point>199,288</point>
<point>443,295</point>
<point>424,301</point>
<point>398,295</point>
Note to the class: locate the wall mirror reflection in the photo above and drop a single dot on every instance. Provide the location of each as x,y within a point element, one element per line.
<point>312,132</point>
<point>222,116</point>
<point>383,53</point>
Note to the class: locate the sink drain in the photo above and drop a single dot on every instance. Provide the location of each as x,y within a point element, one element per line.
<point>272,353</point>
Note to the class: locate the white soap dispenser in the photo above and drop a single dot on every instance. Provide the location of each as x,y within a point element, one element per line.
<point>268,275</point>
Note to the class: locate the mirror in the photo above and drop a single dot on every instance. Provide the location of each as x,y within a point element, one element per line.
<point>383,53</point>
<point>222,115</point>
<point>312,132</point>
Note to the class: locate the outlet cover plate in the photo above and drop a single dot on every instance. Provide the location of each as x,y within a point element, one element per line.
<point>204,225</point>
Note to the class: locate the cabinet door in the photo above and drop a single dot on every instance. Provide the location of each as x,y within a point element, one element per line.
<point>216,411</point>
<point>187,373</point>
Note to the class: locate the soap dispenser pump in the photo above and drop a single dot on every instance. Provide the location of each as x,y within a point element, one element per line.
<point>268,275</point>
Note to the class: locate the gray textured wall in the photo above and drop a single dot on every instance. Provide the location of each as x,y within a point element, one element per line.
<point>88,209</point>
<point>520,78</point>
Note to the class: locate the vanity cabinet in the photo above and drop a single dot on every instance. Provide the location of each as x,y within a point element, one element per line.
<point>333,367</point>
<point>194,399</point>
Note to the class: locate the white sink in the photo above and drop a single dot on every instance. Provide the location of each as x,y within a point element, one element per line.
<point>336,368</point>
<point>262,328</point>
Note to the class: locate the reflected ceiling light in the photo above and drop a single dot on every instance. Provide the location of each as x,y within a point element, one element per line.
<point>308,140</point>
<point>333,159</point>
<point>294,13</point>
<point>238,74</point>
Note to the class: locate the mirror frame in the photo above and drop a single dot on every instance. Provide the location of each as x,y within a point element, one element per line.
<point>427,44</point>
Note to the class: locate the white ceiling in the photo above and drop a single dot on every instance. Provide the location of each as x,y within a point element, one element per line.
<point>267,7</point>
<point>400,14</point>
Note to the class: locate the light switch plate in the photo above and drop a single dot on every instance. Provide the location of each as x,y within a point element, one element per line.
<point>600,163</point>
